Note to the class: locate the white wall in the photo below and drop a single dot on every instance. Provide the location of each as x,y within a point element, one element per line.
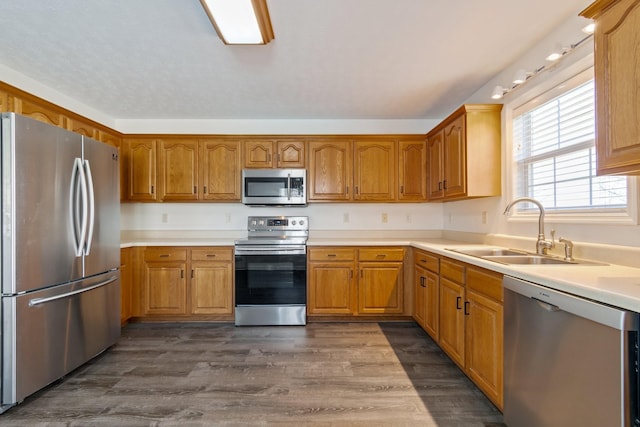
<point>467,216</point>
<point>322,216</point>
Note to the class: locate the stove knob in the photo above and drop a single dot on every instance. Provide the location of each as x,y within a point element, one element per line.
<point>293,222</point>
<point>301,222</point>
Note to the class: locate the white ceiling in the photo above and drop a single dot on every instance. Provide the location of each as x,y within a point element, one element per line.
<point>331,59</point>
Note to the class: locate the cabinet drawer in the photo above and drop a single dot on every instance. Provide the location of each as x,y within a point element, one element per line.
<point>161,253</point>
<point>452,271</point>
<point>332,254</point>
<point>212,254</point>
<point>381,254</point>
<point>485,282</point>
<point>428,261</point>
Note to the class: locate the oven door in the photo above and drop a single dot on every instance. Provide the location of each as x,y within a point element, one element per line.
<point>263,277</point>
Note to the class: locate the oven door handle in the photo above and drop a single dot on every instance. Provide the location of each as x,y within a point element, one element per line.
<point>270,250</point>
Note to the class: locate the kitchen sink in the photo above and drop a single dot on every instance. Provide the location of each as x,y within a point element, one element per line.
<point>528,259</point>
<point>489,252</point>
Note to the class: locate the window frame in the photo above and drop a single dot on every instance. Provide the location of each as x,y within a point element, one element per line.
<point>538,94</point>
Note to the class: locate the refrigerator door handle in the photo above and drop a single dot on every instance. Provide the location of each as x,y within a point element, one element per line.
<point>92,206</point>
<point>38,301</point>
<point>78,217</point>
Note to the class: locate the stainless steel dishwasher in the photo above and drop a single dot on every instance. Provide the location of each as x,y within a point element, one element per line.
<point>568,361</point>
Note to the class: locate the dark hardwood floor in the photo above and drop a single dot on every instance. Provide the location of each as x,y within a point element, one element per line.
<point>326,374</point>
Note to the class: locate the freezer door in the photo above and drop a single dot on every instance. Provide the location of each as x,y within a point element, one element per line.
<point>37,240</point>
<point>48,333</point>
<point>103,234</point>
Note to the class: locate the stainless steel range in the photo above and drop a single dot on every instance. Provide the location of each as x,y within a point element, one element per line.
<point>271,271</point>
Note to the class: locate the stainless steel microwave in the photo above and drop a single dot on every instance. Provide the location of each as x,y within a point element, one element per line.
<point>278,187</point>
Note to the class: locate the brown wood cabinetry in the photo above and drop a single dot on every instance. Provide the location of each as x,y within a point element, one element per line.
<point>374,170</point>
<point>140,169</point>
<point>471,330</point>
<point>412,170</point>
<point>220,170</point>
<point>426,309</point>
<point>185,282</point>
<point>336,289</point>
<point>464,154</point>
<point>274,154</point>
<point>332,281</point>
<point>178,169</point>
<point>330,170</point>
<point>617,81</point>
<point>126,284</point>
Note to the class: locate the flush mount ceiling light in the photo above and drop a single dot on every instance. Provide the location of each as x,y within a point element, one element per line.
<point>240,21</point>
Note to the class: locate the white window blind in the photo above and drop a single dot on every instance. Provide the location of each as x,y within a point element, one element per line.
<point>554,153</point>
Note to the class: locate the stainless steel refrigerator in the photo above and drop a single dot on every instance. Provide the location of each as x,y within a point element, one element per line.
<point>60,303</point>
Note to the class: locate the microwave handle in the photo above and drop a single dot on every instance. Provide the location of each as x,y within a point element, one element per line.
<point>288,186</point>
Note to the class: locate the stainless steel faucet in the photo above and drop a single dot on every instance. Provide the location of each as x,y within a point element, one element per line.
<point>542,245</point>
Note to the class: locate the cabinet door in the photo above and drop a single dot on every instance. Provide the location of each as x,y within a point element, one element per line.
<point>258,154</point>
<point>452,320</point>
<point>165,288</point>
<point>435,173</point>
<point>374,174</point>
<point>211,288</point>
<point>220,170</point>
<point>39,111</point>
<point>380,288</point>
<point>332,288</point>
<point>420,295</point>
<point>290,154</point>
<point>432,303</point>
<point>126,284</point>
<point>617,88</point>
<point>177,170</point>
<point>140,158</point>
<point>484,343</point>
<point>412,172</point>
<point>455,161</point>
<point>330,165</point>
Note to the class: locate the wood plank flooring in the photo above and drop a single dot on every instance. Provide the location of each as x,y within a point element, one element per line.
<point>325,374</point>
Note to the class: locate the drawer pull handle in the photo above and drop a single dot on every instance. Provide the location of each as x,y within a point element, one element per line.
<point>332,255</point>
<point>423,260</point>
<point>458,299</point>
<point>164,255</point>
<point>211,255</point>
<point>381,256</point>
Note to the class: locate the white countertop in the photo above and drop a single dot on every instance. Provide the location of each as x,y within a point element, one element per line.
<point>611,284</point>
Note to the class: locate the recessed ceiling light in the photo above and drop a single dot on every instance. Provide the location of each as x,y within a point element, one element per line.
<point>240,21</point>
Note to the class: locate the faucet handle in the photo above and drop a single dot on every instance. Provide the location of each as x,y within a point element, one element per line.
<point>553,238</point>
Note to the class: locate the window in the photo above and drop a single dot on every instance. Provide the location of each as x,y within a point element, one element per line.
<point>554,152</point>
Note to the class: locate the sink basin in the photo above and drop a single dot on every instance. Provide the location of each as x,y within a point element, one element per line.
<point>490,252</point>
<point>528,259</point>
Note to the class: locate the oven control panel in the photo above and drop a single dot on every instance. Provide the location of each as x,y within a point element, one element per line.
<point>282,223</point>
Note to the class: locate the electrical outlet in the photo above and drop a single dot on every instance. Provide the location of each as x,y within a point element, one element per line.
<point>165,218</point>
<point>385,218</point>
<point>345,217</point>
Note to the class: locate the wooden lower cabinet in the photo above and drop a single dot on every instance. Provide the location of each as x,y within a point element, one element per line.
<point>469,317</point>
<point>334,287</point>
<point>126,284</point>
<point>187,282</point>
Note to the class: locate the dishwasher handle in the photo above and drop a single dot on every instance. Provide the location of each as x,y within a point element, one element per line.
<point>614,317</point>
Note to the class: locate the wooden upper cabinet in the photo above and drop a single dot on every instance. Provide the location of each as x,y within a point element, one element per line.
<point>274,154</point>
<point>140,167</point>
<point>435,145</point>
<point>374,170</point>
<point>178,169</point>
<point>220,169</point>
<point>330,170</point>
<point>290,154</point>
<point>39,111</point>
<point>412,170</point>
<point>465,155</point>
<point>617,85</point>
<point>82,128</point>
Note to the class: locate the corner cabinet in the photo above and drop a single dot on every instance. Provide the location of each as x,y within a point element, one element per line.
<point>465,155</point>
<point>617,79</point>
